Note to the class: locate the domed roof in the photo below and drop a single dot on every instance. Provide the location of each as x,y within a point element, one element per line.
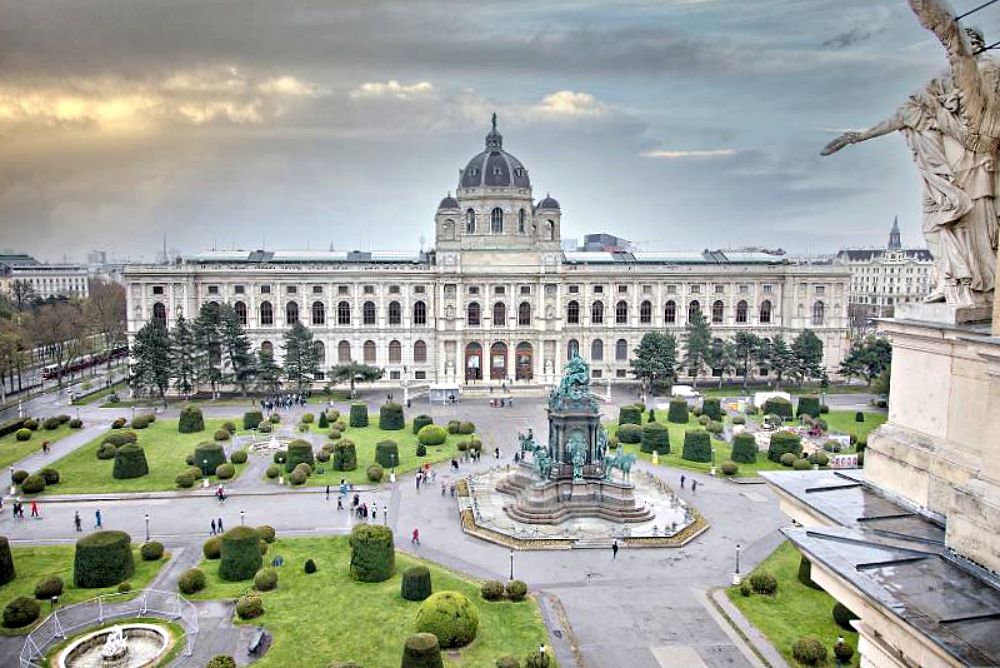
<point>494,167</point>
<point>448,202</point>
<point>548,203</point>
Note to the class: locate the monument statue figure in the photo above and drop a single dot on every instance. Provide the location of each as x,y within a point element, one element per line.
<point>952,127</point>
<point>578,454</point>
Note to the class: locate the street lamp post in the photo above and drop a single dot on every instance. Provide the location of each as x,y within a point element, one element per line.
<point>737,578</point>
<point>541,655</point>
<point>13,487</point>
<point>511,563</point>
<point>147,527</point>
<point>243,515</point>
<point>204,472</point>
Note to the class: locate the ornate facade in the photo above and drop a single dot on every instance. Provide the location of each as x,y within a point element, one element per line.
<point>496,299</point>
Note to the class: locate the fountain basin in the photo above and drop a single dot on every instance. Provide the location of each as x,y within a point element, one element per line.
<point>146,643</point>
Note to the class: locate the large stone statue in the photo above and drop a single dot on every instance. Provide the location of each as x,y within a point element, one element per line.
<point>952,126</point>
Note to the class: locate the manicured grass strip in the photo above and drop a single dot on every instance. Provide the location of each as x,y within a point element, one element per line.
<point>795,610</point>
<point>13,450</point>
<point>843,421</point>
<point>324,617</point>
<point>36,562</point>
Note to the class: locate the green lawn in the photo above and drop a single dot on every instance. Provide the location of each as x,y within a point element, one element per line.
<point>101,394</point>
<point>34,563</point>
<point>796,390</point>
<point>324,617</point>
<point>843,421</point>
<point>795,610</point>
<point>13,450</point>
<point>82,472</point>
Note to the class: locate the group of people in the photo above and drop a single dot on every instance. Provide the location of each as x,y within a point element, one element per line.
<point>285,401</point>
<point>217,528</point>
<point>425,475</point>
<point>363,512</point>
<point>17,507</point>
<point>502,402</point>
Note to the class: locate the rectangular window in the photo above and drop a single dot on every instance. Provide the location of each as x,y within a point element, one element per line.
<point>213,289</point>
<point>157,289</point>
<point>342,290</point>
<point>239,289</point>
<point>449,290</point>
<point>596,373</point>
<point>768,288</point>
<point>317,289</point>
<point>473,290</point>
<point>622,289</point>
<point>671,289</point>
<point>744,289</point>
<point>393,375</point>
<point>550,289</point>
<point>696,289</point>
<point>525,289</point>
<point>368,289</point>
<point>420,375</point>
<point>265,289</point>
<point>647,289</point>
<point>393,289</point>
<point>621,373</point>
<point>291,289</point>
<point>574,289</point>
<point>820,289</point>
<point>598,289</point>
<point>720,289</point>
<point>419,289</point>
<point>499,290</point>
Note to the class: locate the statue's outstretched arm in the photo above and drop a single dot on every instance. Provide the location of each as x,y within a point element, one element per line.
<point>938,17</point>
<point>888,126</point>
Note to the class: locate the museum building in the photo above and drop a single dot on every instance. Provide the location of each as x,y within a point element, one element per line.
<point>496,299</point>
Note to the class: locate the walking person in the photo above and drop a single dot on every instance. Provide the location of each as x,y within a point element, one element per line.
<point>218,525</point>
<point>97,519</point>
<point>614,550</point>
<point>77,522</point>
<point>682,481</point>
<point>34,509</point>
<point>694,485</point>
<point>212,533</point>
<point>416,537</point>
<point>340,503</point>
<point>327,492</point>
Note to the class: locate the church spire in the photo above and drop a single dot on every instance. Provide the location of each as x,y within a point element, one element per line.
<point>894,240</point>
<point>494,140</point>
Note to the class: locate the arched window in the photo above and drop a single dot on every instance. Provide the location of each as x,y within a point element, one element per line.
<point>267,346</point>
<point>344,313</point>
<point>572,349</point>
<point>741,312</point>
<point>597,313</point>
<point>291,313</point>
<point>524,314</point>
<point>368,313</point>
<point>320,350</point>
<point>550,230</point>
<point>496,220</point>
<point>472,314</point>
<point>621,350</point>
<point>573,313</point>
<point>646,312</point>
<point>369,352</point>
<point>419,313</point>
<point>344,351</point>
<point>670,312</point>
<point>419,352</point>
<point>395,313</point>
<point>819,313</point>
<point>597,350</point>
<point>266,313</point>
<point>160,313</point>
<point>718,311</point>
<point>241,313</point>
<point>470,221</point>
<point>693,307</point>
<point>499,314</point>
<point>621,312</point>
<point>521,221</point>
<point>318,313</point>
<point>765,312</point>
<point>449,230</point>
<point>395,352</point>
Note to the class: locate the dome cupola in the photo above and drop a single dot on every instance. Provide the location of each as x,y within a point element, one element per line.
<point>494,167</point>
<point>548,202</point>
<point>448,202</point>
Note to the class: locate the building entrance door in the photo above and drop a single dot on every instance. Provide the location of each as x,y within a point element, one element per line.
<point>523,361</point>
<point>473,362</point>
<point>498,361</point>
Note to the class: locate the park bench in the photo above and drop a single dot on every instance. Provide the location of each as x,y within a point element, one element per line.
<point>257,641</point>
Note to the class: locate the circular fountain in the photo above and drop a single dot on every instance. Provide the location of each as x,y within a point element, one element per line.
<point>120,646</point>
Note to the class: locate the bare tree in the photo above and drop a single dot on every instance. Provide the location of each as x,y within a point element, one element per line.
<point>105,312</point>
<point>12,353</point>
<point>61,328</point>
<point>22,293</point>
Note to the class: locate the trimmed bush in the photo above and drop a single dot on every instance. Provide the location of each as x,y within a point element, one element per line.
<point>508,661</point>
<point>19,476</point>
<point>308,418</point>
<point>808,405</point>
<point>264,427</point>
<point>212,549</point>
<point>48,587</point>
<point>859,417</point>
<point>241,556</point>
<point>103,559</point>
<point>309,567</point>
<point>516,590</point>
<point>222,435</point>
<point>630,433</point>
<point>184,480</point>
<point>50,476</point>
<point>782,442</point>
<point>324,422</point>
<point>422,421</point>
<point>265,579</point>
<point>678,411</point>
<point>31,423</point>
<point>422,650</point>
<point>416,584</point>
<point>697,446</point>
<point>629,415</point>
<point>20,612</point>
<point>33,484</point>
<point>655,438</point>
<point>267,533</point>
<point>801,465</point>
<point>140,422</point>
<point>335,434</point>
<point>387,454</point>
<point>359,414</point>
<point>299,452</point>
<point>120,438</point>
<point>130,462</point>
<point>421,450</point>
<point>274,418</point>
<point>744,448</point>
<point>466,428</point>
<point>221,661</point>
<point>536,660</point>
<point>805,573</point>
<point>251,419</point>
<point>280,457</point>
<point>249,606</point>
<point>843,652</point>
<point>715,427</point>
<point>819,457</point>
<point>323,456</point>
<point>298,477</point>
<point>190,420</point>
<point>238,457</point>
<point>453,426</point>
<point>76,423</point>
<point>739,419</point>
<point>763,582</point>
<point>51,424</point>
<point>491,590</point>
<point>432,434</point>
<point>7,571</point>
<point>729,467</point>
<point>450,616</point>
<point>151,551</point>
<point>208,456</point>
<point>778,406</point>
<point>843,616</point>
<point>704,420</point>
<point>106,451</point>
<point>712,408</point>
<point>809,651</point>
<point>374,473</point>
<point>788,459</point>
<point>273,471</point>
<point>373,554</point>
<point>118,423</point>
<point>22,434</point>
<point>225,471</point>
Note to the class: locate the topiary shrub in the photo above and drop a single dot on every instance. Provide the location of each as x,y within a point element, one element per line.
<point>697,446</point>
<point>151,551</point>
<point>272,471</point>
<point>19,476</point>
<point>251,419</point>
<point>763,582</point>
<point>335,434</point>
<point>416,585</point>
<point>50,476</point>
<point>48,587</point>
<point>778,406</point>
<point>31,423</point>
<point>265,579</point>
<point>222,435</point>
<point>467,428</point>
<point>309,567</point>
<point>118,423</point>
<point>450,616</point>
<point>359,414</point>
<point>678,411</point>
<point>373,554</point>
<point>802,465</point>
<point>33,484</point>
<point>739,419</point>
<point>808,405</point>
<point>843,652</point>
<point>712,408</point>
<point>120,438</point>
<point>630,433</point>
<point>805,573</point>
<point>190,420</point>
<point>536,660</point>
<point>809,651</point>
<point>212,548</point>
<point>103,559</point>
<point>51,423</point>
<point>238,457</point>
<point>491,590</point>
<point>249,606</point>
<point>859,417</point>
<point>655,438</point>
<point>387,454</point>
<point>783,442</point>
<point>422,650</point>
<point>7,571</point>
<point>729,467</point>
<point>274,418</point>
<point>20,612</point>
<point>76,423</point>
<point>221,661</point>
<point>208,456</point>
<point>432,434</point>
<point>241,556</point>
<point>744,448</point>
<point>507,661</point>
<point>308,418</point>
<point>130,462</point>
<point>420,422</point>
<point>843,616</point>
<point>22,434</point>
<point>629,414</point>
<point>788,459</point>
<point>704,420</point>
<point>266,533</point>
<point>819,458</point>
<point>225,471</point>
<point>298,477</point>
<point>374,473</point>
<point>184,480</point>
<point>323,456</point>
<point>453,426</point>
<point>299,452</point>
<point>421,450</point>
<point>140,422</point>
<point>106,451</point>
<point>516,590</point>
<point>280,457</point>
<point>264,427</point>
<point>715,427</point>
<point>324,422</point>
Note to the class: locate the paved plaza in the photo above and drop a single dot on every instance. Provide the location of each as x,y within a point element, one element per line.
<point>649,608</point>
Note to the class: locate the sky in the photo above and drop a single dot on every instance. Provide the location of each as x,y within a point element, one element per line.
<point>678,124</point>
